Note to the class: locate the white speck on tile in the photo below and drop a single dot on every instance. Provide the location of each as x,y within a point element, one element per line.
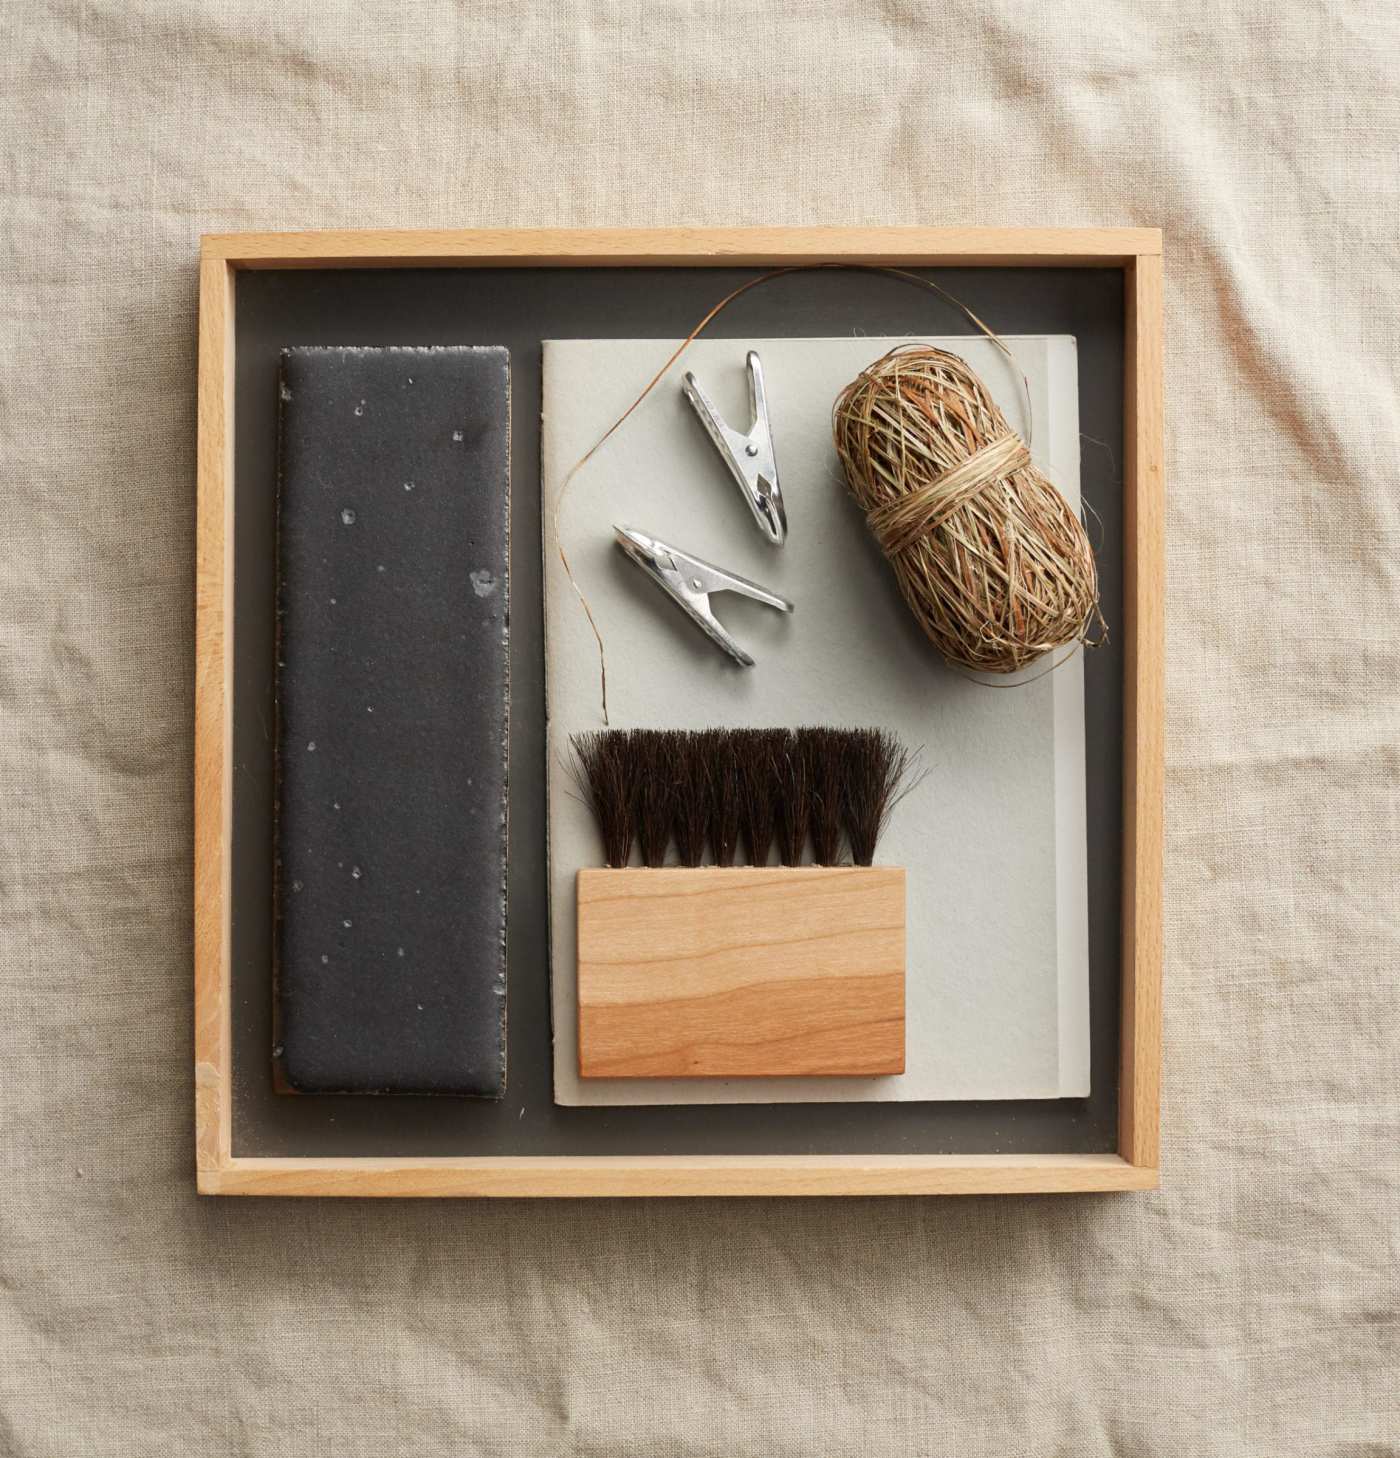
<point>410,485</point>
<point>346,922</point>
<point>356,872</point>
<point>347,516</point>
<point>311,746</point>
<point>483,582</point>
<point>283,391</point>
<point>360,408</point>
<point>400,951</point>
<point>457,435</point>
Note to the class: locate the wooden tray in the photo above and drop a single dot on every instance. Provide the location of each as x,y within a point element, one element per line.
<point>223,1163</point>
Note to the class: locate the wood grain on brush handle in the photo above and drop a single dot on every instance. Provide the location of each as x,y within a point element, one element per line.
<point>728,972</point>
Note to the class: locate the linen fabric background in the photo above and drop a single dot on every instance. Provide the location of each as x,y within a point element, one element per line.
<point>1248,1308</point>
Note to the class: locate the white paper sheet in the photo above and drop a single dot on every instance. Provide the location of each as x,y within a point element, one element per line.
<point>992,837</point>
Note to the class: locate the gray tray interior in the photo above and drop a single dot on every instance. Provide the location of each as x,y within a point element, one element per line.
<point>518,308</point>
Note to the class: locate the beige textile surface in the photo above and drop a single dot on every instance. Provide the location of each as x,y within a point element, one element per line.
<point>1251,1306</point>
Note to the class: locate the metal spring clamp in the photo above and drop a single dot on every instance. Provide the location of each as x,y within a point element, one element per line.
<point>689,582</point>
<point>748,457</point>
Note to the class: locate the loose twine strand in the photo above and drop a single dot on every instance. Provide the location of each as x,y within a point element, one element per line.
<point>898,523</point>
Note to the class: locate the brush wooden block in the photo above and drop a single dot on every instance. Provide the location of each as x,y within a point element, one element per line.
<point>741,972</point>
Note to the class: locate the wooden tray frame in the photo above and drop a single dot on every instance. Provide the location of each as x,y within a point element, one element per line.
<point>1137,252</point>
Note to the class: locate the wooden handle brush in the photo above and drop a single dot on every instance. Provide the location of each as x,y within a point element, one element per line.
<point>697,969</point>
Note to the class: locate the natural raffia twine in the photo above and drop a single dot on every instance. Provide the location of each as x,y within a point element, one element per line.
<point>991,559</point>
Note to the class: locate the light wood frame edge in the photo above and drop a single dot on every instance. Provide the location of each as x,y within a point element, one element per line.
<point>1144,716</point>
<point>213,735</point>
<point>762,1174</point>
<point>682,247</point>
<point>1138,252</point>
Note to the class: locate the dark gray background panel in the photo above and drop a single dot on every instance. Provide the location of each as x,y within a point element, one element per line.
<point>518,308</point>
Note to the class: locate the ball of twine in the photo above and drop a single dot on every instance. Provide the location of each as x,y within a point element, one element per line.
<point>990,558</point>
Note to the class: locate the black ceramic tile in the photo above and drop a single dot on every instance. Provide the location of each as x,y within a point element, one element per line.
<point>392,702</point>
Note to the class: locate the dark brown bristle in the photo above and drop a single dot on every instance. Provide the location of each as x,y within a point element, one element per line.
<point>875,766</point>
<point>690,801</point>
<point>730,787</point>
<point>756,751</point>
<point>794,800</point>
<point>717,749</point>
<point>823,758</point>
<point>652,764</point>
<point>600,767</point>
